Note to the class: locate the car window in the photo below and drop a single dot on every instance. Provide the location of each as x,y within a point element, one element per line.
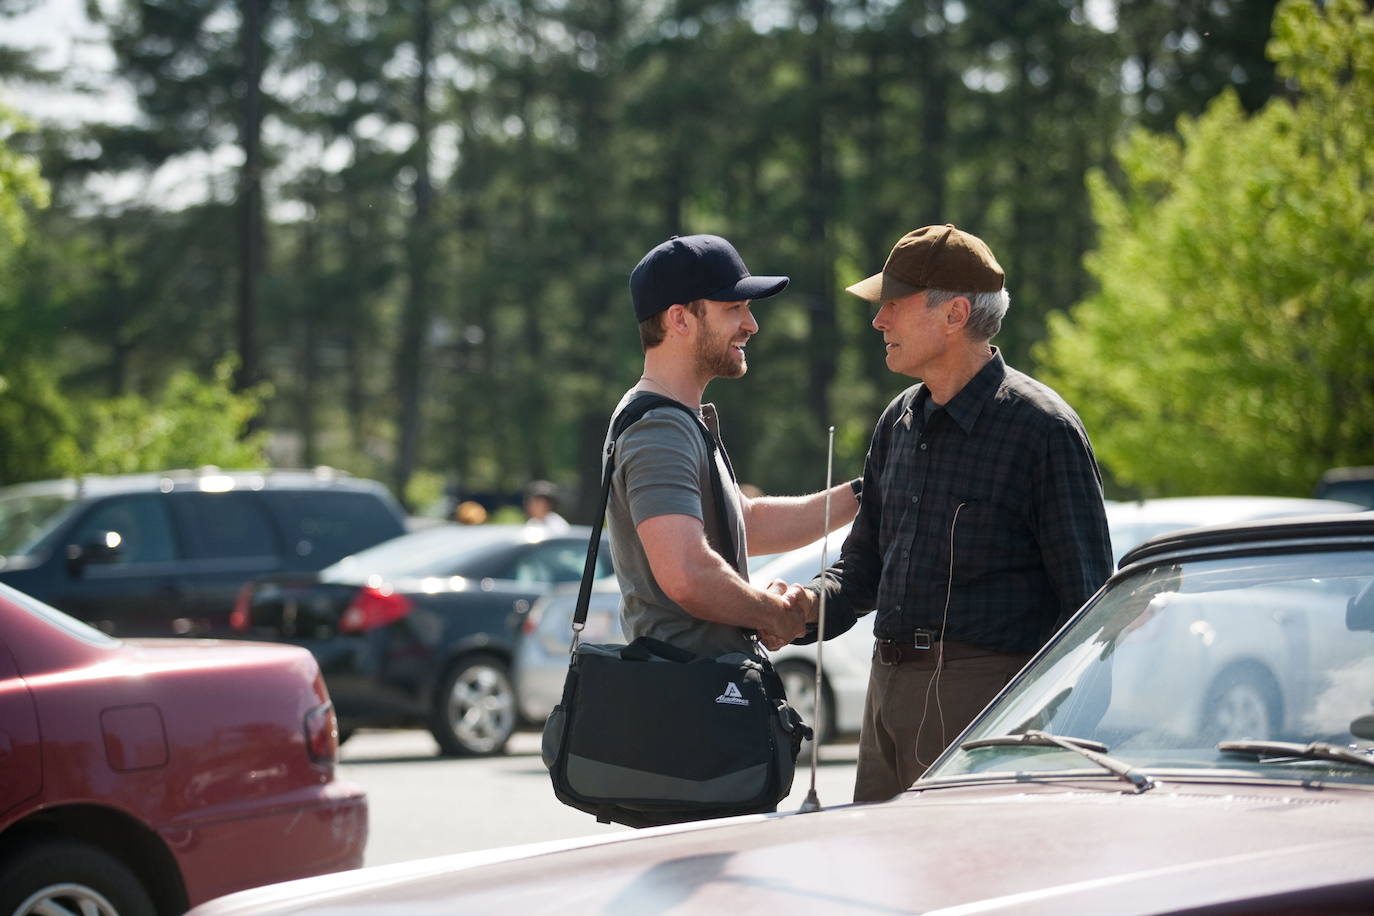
<point>551,561</point>
<point>444,550</point>
<point>1353,491</point>
<point>325,525</point>
<point>225,525</point>
<point>26,517</point>
<point>140,520</point>
<point>476,552</point>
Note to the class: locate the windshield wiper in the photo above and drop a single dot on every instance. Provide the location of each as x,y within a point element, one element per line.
<point>1317,750</point>
<point>1095,751</point>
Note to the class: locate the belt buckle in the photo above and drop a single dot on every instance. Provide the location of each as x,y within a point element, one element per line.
<point>923,639</point>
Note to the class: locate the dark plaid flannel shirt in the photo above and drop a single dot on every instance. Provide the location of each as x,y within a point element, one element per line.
<point>1005,478</point>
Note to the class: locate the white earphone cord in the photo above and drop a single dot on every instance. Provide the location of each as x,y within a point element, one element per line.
<point>940,651</point>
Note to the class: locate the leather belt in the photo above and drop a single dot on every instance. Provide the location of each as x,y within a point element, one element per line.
<point>896,651</point>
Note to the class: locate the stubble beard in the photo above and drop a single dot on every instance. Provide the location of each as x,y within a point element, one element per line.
<point>717,358</point>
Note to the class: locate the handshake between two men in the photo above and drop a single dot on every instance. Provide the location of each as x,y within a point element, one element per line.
<point>796,607</point>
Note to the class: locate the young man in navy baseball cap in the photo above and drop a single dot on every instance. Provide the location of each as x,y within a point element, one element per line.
<point>692,297</point>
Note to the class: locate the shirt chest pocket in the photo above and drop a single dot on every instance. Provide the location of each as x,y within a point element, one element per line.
<point>987,536</point>
<point>901,500</point>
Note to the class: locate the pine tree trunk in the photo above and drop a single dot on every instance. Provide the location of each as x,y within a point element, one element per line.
<point>412,358</point>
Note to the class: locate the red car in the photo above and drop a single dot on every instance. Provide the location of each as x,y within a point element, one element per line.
<point>146,776</point>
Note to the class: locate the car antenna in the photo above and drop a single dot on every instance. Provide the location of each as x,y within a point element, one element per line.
<point>812,802</point>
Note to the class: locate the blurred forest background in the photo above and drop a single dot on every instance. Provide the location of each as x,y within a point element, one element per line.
<point>394,237</point>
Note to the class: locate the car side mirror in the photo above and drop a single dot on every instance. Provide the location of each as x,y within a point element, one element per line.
<point>1359,611</point>
<point>102,547</point>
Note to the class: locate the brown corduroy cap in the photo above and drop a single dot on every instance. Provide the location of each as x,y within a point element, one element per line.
<point>934,257</point>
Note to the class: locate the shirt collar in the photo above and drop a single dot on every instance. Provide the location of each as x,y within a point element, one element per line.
<point>966,406</point>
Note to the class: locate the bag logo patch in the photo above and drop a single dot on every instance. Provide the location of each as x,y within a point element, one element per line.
<point>732,696</point>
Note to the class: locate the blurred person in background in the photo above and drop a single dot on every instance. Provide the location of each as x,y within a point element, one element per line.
<point>541,508</point>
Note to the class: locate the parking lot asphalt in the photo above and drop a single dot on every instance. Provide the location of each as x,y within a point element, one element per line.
<point>424,805</point>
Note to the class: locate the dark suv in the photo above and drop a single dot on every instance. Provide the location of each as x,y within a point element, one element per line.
<point>153,554</point>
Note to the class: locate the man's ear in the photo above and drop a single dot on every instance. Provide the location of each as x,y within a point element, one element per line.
<point>956,315</point>
<point>675,319</point>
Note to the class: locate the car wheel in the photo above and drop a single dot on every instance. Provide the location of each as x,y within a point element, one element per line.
<point>474,712</point>
<point>1243,702</point>
<point>67,877</point>
<point>799,680</point>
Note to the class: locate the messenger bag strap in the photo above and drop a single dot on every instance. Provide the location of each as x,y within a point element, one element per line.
<point>632,413</point>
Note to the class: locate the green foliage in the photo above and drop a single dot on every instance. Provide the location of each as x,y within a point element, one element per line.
<point>20,183</point>
<point>425,490</point>
<point>37,425</point>
<point>34,421</point>
<point>21,187</point>
<point>563,138</point>
<point>189,423</point>
<point>507,515</point>
<point>1230,348</point>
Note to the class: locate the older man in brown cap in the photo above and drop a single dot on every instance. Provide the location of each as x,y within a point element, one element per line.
<point>980,526</point>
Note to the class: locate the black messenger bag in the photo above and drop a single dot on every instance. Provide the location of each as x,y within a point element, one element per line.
<point>648,733</point>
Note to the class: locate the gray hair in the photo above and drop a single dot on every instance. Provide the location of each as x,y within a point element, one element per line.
<point>985,310</point>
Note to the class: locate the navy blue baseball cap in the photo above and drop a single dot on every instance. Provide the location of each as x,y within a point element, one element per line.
<point>690,267</point>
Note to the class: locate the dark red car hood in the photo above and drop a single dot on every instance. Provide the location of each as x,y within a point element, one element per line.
<point>1085,847</point>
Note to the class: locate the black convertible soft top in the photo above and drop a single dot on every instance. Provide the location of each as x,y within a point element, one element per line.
<point>1309,532</point>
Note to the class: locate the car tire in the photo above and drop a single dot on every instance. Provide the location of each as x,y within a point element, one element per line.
<point>799,681</point>
<point>1243,702</point>
<point>65,876</point>
<point>474,711</point>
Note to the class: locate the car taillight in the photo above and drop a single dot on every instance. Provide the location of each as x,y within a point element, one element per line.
<point>531,622</point>
<point>242,615</point>
<point>322,734</point>
<point>373,607</point>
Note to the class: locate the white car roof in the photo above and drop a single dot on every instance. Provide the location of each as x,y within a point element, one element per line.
<point>1191,511</point>
<point>1132,523</point>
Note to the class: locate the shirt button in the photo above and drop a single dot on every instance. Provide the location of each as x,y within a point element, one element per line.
<point>923,446</point>
<point>905,554</point>
<point>915,499</point>
<point>897,608</point>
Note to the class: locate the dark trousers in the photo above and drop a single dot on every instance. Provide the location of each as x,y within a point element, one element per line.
<point>914,709</point>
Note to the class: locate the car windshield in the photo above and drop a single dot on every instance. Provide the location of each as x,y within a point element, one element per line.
<point>444,551</point>
<point>1172,661</point>
<point>26,517</point>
